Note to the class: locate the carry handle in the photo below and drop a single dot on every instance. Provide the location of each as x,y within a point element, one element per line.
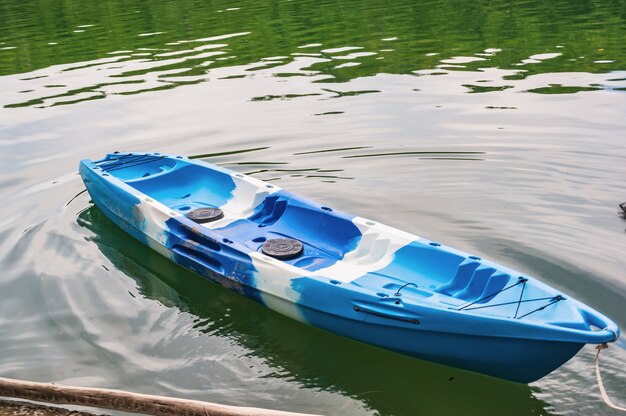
<point>595,318</point>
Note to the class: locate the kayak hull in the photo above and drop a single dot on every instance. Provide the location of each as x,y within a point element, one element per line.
<point>418,319</point>
<point>519,360</point>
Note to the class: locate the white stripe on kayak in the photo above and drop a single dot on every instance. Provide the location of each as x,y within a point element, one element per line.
<point>375,251</point>
<point>273,278</point>
<point>152,217</point>
<point>248,194</point>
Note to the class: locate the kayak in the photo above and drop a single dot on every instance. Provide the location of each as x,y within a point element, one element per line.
<point>345,274</point>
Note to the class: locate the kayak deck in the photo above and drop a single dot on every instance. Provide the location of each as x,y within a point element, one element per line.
<point>327,236</point>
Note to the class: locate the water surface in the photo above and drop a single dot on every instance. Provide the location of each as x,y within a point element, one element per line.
<point>494,127</point>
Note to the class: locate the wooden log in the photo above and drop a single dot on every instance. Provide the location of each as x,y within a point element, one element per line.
<point>22,408</point>
<point>146,404</point>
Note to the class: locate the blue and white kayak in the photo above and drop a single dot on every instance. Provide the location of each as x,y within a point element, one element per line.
<point>345,274</point>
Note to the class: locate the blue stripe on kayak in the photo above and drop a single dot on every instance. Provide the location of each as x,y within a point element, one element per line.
<point>326,236</point>
<point>212,258</point>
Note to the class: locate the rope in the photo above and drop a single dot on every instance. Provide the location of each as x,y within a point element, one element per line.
<point>519,302</point>
<point>556,299</point>
<point>509,303</point>
<point>605,396</point>
<point>519,282</point>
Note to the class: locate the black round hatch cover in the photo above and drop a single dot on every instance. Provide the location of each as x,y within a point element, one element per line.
<point>202,215</point>
<point>282,248</point>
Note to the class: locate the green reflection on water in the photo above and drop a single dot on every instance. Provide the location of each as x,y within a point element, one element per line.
<point>344,39</point>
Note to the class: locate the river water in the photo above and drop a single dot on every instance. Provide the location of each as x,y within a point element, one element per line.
<point>498,128</point>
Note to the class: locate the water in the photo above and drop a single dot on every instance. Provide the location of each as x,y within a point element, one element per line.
<point>494,127</point>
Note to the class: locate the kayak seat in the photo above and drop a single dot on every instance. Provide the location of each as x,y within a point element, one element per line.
<point>186,184</point>
<point>421,264</point>
<point>461,278</point>
<point>495,284</point>
<point>328,232</point>
<point>272,208</point>
<point>476,284</point>
<point>372,249</point>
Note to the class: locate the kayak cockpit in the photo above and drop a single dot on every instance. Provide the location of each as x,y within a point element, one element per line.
<point>254,211</point>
